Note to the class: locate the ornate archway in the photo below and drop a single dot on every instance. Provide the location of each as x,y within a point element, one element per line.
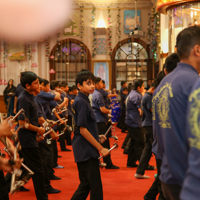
<point>130,60</point>
<point>70,56</point>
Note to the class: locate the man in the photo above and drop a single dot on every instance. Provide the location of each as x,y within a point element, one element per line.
<point>169,113</point>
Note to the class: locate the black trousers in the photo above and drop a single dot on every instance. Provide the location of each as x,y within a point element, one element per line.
<point>62,137</point>
<point>102,128</point>
<point>55,153</point>
<point>67,132</point>
<point>90,181</point>
<point>3,187</point>
<point>136,146</point>
<point>155,188</point>
<point>171,191</point>
<point>33,160</point>
<point>147,152</point>
<point>45,153</point>
<point>121,123</point>
<point>126,141</point>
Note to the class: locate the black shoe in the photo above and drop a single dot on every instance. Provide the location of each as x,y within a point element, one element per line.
<point>150,167</point>
<point>59,156</point>
<point>55,178</point>
<point>23,189</point>
<point>131,166</point>
<point>53,191</point>
<point>112,167</point>
<point>66,150</point>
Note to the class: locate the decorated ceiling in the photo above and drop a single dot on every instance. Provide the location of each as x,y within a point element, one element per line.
<point>140,3</point>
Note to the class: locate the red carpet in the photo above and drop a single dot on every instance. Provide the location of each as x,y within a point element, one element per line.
<point>117,184</point>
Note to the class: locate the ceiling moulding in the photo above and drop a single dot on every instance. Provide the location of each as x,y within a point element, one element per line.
<point>115,3</point>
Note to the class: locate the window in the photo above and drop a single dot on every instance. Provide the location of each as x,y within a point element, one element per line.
<point>130,63</point>
<point>70,57</point>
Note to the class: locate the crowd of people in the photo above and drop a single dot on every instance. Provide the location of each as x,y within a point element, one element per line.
<point>162,119</point>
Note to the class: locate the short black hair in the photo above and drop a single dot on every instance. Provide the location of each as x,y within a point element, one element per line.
<point>84,75</point>
<point>27,78</point>
<point>97,80</point>
<point>70,89</point>
<point>186,40</point>
<point>103,81</point>
<point>63,84</point>
<point>160,76</point>
<point>171,62</point>
<point>123,82</point>
<point>154,84</point>
<point>40,80</point>
<point>54,84</point>
<point>45,82</point>
<point>74,87</point>
<point>137,83</point>
<point>125,88</point>
<point>130,87</point>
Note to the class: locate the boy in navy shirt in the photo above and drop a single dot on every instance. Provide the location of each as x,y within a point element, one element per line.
<point>106,96</point>
<point>86,141</point>
<point>27,135</point>
<point>169,108</point>
<point>147,124</point>
<point>65,88</point>
<point>45,150</point>
<point>101,115</point>
<point>133,121</point>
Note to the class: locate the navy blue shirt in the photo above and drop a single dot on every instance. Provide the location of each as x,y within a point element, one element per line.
<point>26,101</point>
<point>97,102</point>
<point>146,108</point>
<point>169,110</point>
<point>45,98</point>
<point>63,114</point>
<point>133,103</point>
<point>105,97</point>
<point>84,117</point>
<point>121,91</point>
<point>19,90</point>
<point>123,99</point>
<point>72,96</point>
<point>191,184</point>
<point>69,107</point>
<point>41,113</point>
<point>52,105</point>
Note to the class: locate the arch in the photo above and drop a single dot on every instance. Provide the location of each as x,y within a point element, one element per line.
<point>148,61</point>
<point>66,58</point>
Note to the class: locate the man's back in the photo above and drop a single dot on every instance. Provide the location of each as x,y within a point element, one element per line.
<point>169,110</point>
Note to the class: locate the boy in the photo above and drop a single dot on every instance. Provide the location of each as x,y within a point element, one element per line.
<point>45,150</point>
<point>123,85</point>
<point>106,96</point>
<point>121,123</point>
<point>63,102</point>
<point>65,88</point>
<point>85,142</point>
<point>101,115</point>
<point>147,124</point>
<point>27,135</point>
<point>123,110</point>
<point>133,121</point>
<point>169,111</point>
